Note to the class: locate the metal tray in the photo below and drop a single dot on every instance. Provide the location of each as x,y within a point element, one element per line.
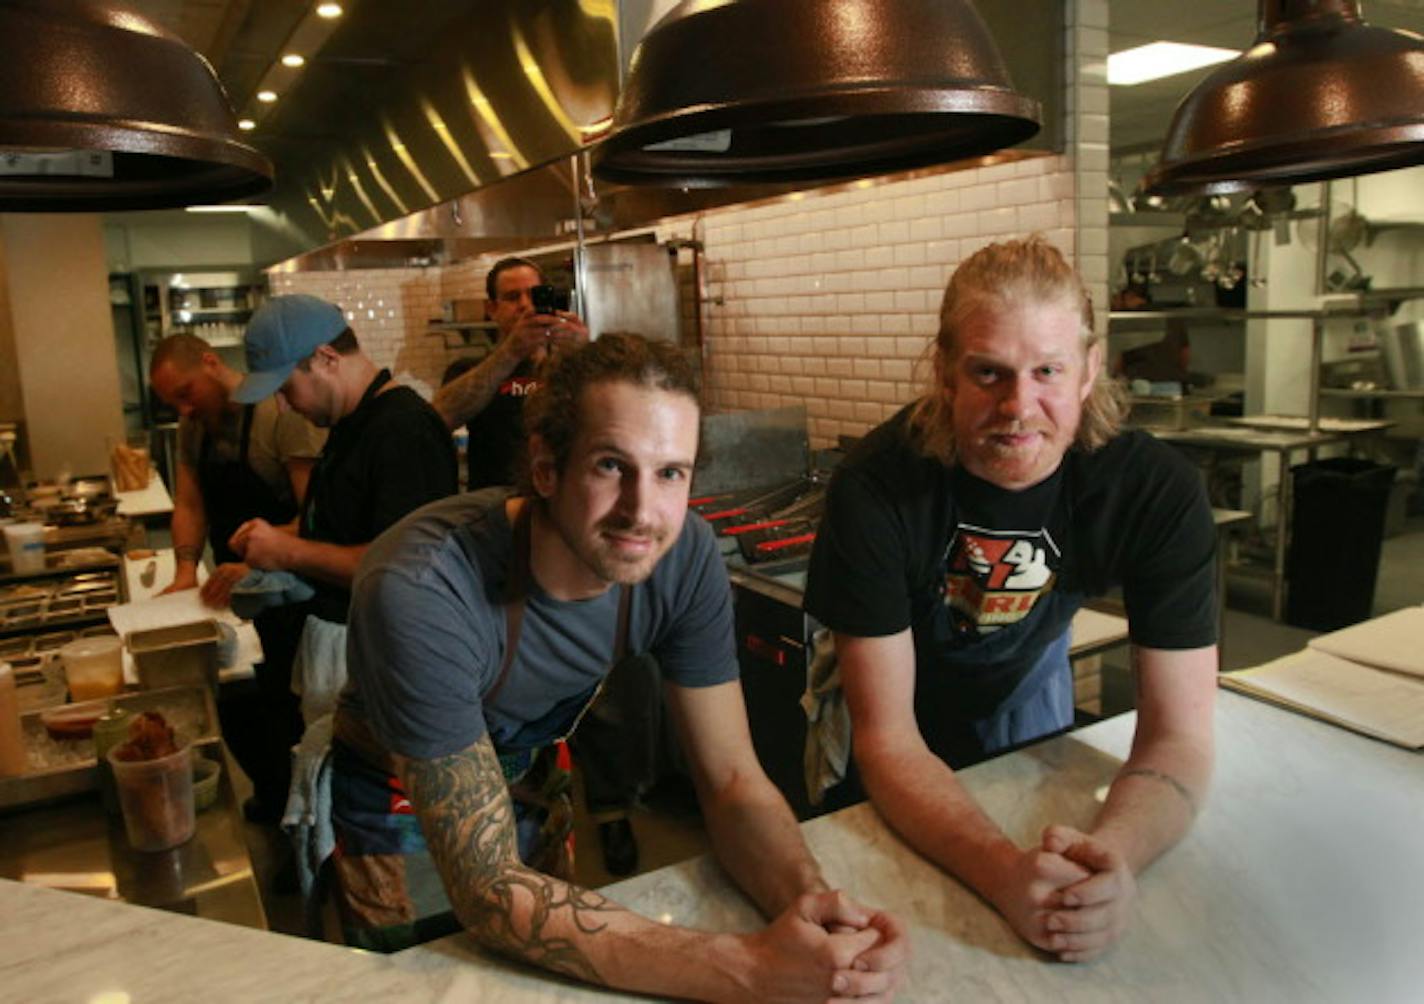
<point>68,765</point>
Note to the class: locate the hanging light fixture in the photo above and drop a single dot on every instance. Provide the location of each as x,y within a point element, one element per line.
<point>102,110</point>
<point>765,91</point>
<point>1321,94</point>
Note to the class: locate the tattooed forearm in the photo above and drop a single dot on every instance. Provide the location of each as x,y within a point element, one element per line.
<point>468,821</point>
<point>1166,779</point>
<point>471,392</point>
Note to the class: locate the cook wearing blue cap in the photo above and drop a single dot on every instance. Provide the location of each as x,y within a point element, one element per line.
<point>284,331</point>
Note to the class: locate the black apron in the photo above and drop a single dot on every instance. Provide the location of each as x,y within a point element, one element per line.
<point>233,493</point>
<point>260,728</point>
<point>979,694</point>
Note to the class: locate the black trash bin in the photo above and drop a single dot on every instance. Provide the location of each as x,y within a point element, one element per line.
<point>1336,533</point>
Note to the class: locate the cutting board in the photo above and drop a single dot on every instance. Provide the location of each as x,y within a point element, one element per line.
<point>1375,702</point>
<point>1394,641</point>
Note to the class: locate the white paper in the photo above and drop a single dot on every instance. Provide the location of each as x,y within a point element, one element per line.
<point>184,607</point>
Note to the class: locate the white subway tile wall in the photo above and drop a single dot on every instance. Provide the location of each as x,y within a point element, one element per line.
<point>390,310</point>
<point>828,300</point>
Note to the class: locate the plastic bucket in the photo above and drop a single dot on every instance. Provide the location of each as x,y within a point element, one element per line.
<point>156,797</point>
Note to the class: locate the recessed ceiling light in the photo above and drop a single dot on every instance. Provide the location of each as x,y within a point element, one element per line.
<point>246,125</point>
<point>328,10</point>
<point>1162,59</point>
<point>266,97</point>
<point>293,59</point>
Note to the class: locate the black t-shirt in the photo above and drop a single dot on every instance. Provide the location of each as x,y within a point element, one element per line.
<point>390,456</point>
<point>497,432</point>
<point>988,578</point>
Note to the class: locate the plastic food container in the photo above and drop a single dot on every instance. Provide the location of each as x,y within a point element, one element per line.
<point>182,655</point>
<point>94,667</point>
<point>157,798</point>
<point>27,547</point>
<point>72,721</point>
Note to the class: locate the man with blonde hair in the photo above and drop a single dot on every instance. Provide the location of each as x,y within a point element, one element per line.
<point>959,539</point>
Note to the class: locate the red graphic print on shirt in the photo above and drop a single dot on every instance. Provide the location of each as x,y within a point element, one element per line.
<point>995,577</point>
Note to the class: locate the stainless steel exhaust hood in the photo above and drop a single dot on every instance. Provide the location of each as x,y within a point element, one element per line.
<point>102,110</point>
<point>1321,94</point>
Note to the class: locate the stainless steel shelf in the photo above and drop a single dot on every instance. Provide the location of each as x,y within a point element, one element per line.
<point>1372,394</point>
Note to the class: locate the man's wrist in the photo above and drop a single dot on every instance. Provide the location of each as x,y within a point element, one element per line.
<point>996,880</point>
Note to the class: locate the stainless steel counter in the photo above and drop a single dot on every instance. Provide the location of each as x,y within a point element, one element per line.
<point>74,845</point>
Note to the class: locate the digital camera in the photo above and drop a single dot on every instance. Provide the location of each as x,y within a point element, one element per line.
<point>547,299</point>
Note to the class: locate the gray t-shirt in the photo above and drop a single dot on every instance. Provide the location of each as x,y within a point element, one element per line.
<point>427,629</point>
<point>276,436</point>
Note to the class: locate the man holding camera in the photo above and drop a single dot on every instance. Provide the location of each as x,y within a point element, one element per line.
<point>489,398</point>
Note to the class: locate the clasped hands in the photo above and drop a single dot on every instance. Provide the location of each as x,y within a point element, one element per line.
<point>1070,896</point>
<point>827,947</point>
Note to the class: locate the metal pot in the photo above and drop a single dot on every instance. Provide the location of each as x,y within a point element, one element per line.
<point>1402,348</point>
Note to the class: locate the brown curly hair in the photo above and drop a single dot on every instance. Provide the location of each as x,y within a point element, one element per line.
<point>552,412</point>
<point>994,277</point>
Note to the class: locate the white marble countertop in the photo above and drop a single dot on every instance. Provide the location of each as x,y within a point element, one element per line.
<point>1302,881</point>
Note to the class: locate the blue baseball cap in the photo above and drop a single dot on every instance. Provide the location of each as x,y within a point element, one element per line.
<point>284,331</point>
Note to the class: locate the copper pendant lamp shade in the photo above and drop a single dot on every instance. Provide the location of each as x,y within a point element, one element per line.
<point>1320,95</point>
<point>101,110</point>
<point>724,92</point>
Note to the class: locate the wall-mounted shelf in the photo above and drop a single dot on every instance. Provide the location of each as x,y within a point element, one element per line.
<point>467,334</point>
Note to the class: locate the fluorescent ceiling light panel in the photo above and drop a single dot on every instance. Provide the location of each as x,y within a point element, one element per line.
<point>230,208</point>
<point>1162,59</point>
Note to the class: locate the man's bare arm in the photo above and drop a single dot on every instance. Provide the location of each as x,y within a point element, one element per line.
<point>189,529</point>
<point>472,391</point>
<point>754,834</point>
<point>923,801</point>
<point>1163,784</point>
<point>468,820</point>
<point>1149,807</point>
<point>265,546</point>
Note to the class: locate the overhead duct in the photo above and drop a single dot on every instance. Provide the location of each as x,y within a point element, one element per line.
<point>773,91</point>
<point>101,110</point>
<point>1321,94</point>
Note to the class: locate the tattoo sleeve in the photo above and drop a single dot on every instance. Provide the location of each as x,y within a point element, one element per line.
<point>1167,779</point>
<point>470,393</point>
<point>468,821</point>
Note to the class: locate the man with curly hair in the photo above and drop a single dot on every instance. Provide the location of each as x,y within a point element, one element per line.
<point>482,629</point>
<point>959,539</point>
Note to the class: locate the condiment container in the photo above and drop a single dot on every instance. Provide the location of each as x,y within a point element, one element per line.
<point>27,547</point>
<point>156,797</point>
<point>13,760</point>
<point>94,667</point>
